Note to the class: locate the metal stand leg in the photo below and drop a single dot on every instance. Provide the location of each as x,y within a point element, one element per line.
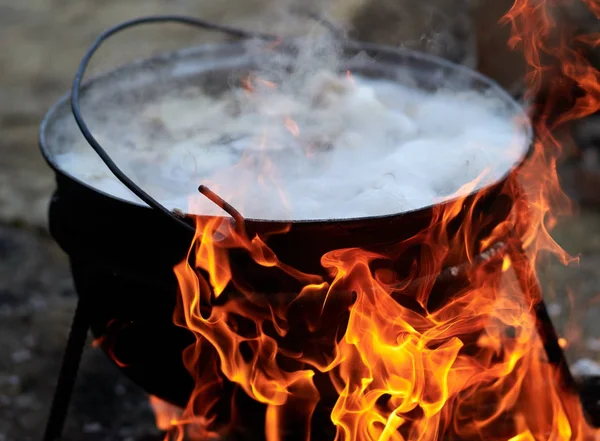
<point>529,283</point>
<point>68,374</point>
<point>550,339</point>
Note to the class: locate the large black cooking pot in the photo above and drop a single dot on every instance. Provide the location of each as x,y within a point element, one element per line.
<point>123,253</point>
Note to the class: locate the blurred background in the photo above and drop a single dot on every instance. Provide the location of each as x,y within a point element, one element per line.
<point>41,43</point>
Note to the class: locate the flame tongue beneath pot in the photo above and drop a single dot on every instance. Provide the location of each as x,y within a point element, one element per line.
<point>369,349</point>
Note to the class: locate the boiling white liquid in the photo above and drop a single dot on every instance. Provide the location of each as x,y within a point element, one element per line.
<point>339,147</point>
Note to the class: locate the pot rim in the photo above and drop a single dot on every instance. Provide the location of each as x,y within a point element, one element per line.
<point>501,93</point>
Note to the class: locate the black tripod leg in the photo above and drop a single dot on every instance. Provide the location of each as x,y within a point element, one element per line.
<point>554,352</point>
<point>588,391</point>
<point>68,374</point>
<point>545,328</point>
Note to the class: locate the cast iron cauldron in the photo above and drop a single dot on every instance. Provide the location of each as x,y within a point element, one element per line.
<point>122,253</point>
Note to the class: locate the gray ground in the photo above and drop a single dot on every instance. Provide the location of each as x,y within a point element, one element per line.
<point>40,44</point>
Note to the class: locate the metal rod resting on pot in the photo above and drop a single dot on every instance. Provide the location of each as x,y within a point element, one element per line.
<point>104,156</point>
<point>76,90</point>
<point>225,206</point>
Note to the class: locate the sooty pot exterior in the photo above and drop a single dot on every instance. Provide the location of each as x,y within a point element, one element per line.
<point>122,254</point>
<point>122,257</point>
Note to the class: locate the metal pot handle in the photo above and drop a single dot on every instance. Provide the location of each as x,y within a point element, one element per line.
<point>76,90</point>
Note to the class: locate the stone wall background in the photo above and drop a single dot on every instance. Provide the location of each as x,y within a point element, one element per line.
<point>41,42</point>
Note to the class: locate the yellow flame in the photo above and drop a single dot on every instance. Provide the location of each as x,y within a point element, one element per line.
<point>397,356</point>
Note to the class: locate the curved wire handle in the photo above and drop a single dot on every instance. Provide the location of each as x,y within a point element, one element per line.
<point>76,90</point>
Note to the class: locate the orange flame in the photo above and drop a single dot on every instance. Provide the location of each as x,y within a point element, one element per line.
<point>292,126</point>
<point>563,342</point>
<point>166,414</point>
<point>390,356</point>
<point>350,78</point>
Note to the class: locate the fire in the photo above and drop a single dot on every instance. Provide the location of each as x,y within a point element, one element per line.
<point>388,356</point>
<point>250,83</point>
<point>166,414</point>
<point>563,342</point>
<point>350,77</point>
<point>292,126</point>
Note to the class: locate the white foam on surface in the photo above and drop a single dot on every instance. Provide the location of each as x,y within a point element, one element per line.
<point>334,147</point>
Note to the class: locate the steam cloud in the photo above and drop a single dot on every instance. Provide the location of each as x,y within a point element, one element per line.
<point>297,138</point>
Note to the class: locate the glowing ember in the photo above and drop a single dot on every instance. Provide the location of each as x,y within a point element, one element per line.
<point>377,354</point>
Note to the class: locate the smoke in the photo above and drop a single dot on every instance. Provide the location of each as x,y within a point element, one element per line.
<point>287,17</point>
<point>438,27</point>
<point>283,132</point>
